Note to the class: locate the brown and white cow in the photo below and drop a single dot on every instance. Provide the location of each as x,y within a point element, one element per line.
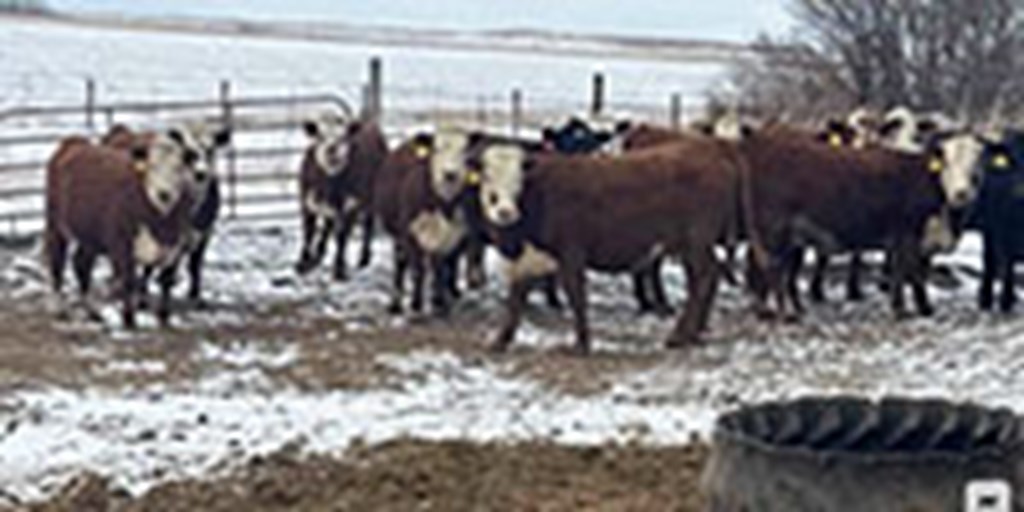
<point>802,193</point>
<point>562,215</point>
<point>204,139</point>
<point>336,188</point>
<point>132,208</point>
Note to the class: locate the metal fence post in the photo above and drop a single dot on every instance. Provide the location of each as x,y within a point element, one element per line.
<point>227,116</point>
<point>597,95</point>
<point>517,111</point>
<point>90,104</point>
<point>676,111</point>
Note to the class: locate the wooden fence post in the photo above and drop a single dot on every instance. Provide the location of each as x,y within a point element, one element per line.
<point>597,95</point>
<point>90,104</point>
<point>375,83</point>
<point>227,117</point>
<point>517,112</point>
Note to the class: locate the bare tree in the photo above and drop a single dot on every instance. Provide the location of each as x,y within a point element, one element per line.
<point>962,57</point>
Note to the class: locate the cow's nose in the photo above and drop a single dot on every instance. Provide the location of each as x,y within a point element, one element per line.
<point>961,198</point>
<point>164,197</point>
<point>201,176</point>
<point>505,215</point>
<point>451,177</point>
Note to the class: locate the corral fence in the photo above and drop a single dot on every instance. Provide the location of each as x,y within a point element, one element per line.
<point>258,170</point>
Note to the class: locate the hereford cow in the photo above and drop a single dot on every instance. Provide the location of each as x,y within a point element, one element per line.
<point>555,214</point>
<point>132,208</point>
<point>999,214</point>
<point>204,140</point>
<point>336,187</point>
<point>803,193</point>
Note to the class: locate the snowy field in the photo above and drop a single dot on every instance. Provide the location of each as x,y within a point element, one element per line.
<point>130,417</point>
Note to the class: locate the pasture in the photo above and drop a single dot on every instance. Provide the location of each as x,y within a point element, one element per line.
<point>286,385</point>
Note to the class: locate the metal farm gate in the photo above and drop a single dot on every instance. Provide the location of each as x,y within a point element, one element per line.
<point>258,170</point>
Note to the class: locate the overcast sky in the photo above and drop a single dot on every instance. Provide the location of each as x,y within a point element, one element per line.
<point>717,19</point>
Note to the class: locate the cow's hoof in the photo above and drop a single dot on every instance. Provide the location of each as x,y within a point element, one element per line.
<point>395,307</point>
<point>579,350</point>
<point>765,314</point>
<point>200,304</point>
<point>499,347</point>
<point>364,261</point>
<point>304,267</point>
<point>791,318</point>
<point>682,341</point>
<point>340,275</point>
<point>857,296</point>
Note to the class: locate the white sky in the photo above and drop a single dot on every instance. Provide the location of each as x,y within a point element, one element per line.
<point>718,19</point>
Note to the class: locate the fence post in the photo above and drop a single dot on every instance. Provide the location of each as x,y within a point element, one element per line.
<point>597,95</point>
<point>676,111</point>
<point>227,115</point>
<point>375,84</point>
<point>517,112</point>
<point>90,104</point>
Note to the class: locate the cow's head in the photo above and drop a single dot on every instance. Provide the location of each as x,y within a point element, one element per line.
<point>445,153</point>
<point>330,137</point>
<point>729,127</point>
<point>838,134</point>
<point>166,164</point>
<point>503,171</point>
<point>578,137</point>
<point>205,139</point>
<point>956,158</point>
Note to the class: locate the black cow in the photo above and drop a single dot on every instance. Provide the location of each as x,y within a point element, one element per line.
<point>999,214</point>
<point>576,137</point>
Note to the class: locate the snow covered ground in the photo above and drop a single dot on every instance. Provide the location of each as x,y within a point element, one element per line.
<point>141,434</point>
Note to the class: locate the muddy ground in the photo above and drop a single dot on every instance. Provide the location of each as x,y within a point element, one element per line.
<point>418,475</point>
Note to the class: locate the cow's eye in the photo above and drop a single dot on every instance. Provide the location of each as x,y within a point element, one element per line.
<point>492,198</point>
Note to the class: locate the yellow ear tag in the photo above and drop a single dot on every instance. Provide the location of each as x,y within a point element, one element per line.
<point>1001,161</point>
<point>421,151</point>
<point>935,165</point>
<point>472,178</point>
<point>141,167</point>
<point>835,140</point>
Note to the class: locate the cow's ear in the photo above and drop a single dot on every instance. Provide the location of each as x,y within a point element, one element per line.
<point>176,135</point>
<point>927,126</point>
<point>603,137</point>
<point>222,137</point>
<point>746,131</point>
<point>422,145</point>
<point>623,127</point>
<point>547,134</point>
<point>311,129</point>
<point>705,128</point>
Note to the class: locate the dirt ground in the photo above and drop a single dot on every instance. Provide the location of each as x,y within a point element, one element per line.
<point>420,475</point>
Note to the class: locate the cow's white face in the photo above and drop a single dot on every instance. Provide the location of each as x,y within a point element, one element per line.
<point>167,170</point>
<point>900,130</point>
<point>448,163</point>
<point>204,139</point>
<point>501,184</point>
<point>864,124</point>
<point>330,144</point>
<point>959,170</point>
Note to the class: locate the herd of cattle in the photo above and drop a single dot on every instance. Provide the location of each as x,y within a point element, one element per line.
<point>620,200</point>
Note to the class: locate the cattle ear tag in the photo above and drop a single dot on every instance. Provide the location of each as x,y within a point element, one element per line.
<point>472,178</point>
<point>935,165</point>
<point>835,140</point>
<point>421,151</point>
<point>1001,161</point>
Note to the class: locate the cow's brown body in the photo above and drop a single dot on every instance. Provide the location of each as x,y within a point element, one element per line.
<point>95,198</point>
<point>345,198</point>
<point>804,193</point>
<point>616,214</point>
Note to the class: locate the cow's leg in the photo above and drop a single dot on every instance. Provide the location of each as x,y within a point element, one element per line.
<point>450,273</point>
<point>341,234</point>
<point>897,276</point>
<point>416,261</point>
<point>195,271</point>
<point>82,262</point>
<point>818,277</point>
<point>854,292</point>
<point>758,283</point>
<point>919,283</point>
<point>728,266</point>
<point>657,287</point>
<point>701,284</point>
<point>401,264</point>
<point>57,256</point>
<point>1007,295</point>
<point>366,251</point>
<point>441,269</point>
<point>549,284</point>
<point>310,223</point>
<point>517,292</point>
<point>142,287</point>
<point>573,278</point>
<point>988,277</point>
<point>794,264</point>
<point>166,279</point>
<point>125,273</point>
<point>476,276</point>
<point>641,292</point>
